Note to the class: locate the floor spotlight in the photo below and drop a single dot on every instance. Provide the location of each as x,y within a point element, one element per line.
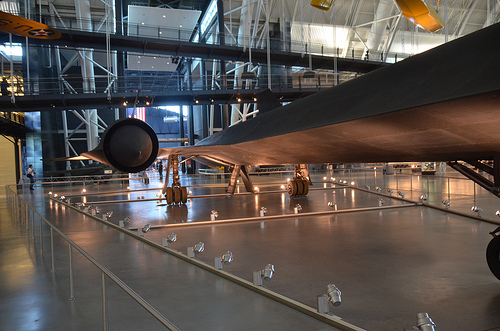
<point>334,295</point>
<point>122,223</point>
<point>213,215</point>
<point>378,189</point>
<point>263,211</point>
<point>297,208</point>
<point>401,194</point>
<point>424,197</point>
<point>196,249</point>
<point>170,239</point>
<point>381,202</point>
<point>265,274</point>
<point>368,187</point>
<point>498,213</point>
<point>145,229</point>
<point>226,259</point>
<point>446,204</point>
<point>50,193</point>
<point>268,272</point>
<point>390,192</point>
<point>424,322</point>
<point>332,205</point>
<point>477,210</point>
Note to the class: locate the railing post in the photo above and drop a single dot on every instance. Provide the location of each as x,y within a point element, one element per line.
<point>33,229</point>
<point>449,190</point>
<point>104,307</point>
<point>40,230</point>
<point>52,248</point>
<point>71,289</point>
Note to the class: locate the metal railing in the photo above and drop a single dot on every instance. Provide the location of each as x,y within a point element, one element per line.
<point>145,30</point>
<point>25,213</point>
<point>451,193</point>
<point>173,84</point>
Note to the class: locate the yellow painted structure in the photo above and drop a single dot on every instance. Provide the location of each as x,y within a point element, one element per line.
<point>421,14</point>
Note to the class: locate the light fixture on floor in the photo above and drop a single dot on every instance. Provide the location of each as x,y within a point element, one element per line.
<point>196,249</point>
<point>263,211</point>
<point>332,205</point>
<point>169,239</point>
<point>213,215</point>
<point>424,322</point>
<point>378,189</point>
<point>368,187</point>
<point>446,204</point>
<point>424,198</point>
<point>226,259</point>
<point>107,215</point>
<point>477,210</point>
<point>122,223</point>
<point>145,229</point>
<point>332,295</point>
<point>265,274</point>
<point>381,202</point>
<point>401,194</point>
<point>390,192</point>
<point>297,208</point>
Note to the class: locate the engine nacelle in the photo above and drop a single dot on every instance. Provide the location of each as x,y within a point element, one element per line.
<point>129,145</point>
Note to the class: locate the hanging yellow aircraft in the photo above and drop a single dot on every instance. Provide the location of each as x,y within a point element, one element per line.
<point>26,28</point>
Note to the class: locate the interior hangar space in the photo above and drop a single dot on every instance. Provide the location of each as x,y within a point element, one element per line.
<point>243,165</point>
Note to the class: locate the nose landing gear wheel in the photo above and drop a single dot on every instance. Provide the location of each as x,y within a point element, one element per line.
<point>493,256</point>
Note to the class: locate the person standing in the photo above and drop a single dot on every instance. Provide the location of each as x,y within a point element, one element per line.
<point>31,174</point>
<point>160,168</point>
<point>3,87</point>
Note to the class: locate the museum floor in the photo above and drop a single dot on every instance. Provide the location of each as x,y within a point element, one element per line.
<point>391,259</point>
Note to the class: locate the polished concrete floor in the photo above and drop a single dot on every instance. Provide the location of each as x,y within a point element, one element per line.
<point>391,259</point>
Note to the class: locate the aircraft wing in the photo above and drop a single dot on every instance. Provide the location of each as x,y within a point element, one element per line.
<point>440,105</point>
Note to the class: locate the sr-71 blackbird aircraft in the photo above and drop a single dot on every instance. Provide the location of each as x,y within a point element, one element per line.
<point>441,105</point>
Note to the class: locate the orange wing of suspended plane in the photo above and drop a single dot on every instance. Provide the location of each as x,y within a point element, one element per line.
<point>421,14</point>
<point>27,28</point>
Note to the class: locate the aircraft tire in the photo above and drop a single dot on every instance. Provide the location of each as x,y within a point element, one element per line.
<point>292,188</point>
<point>300,187</point>
<point>184,195</point>
<point>305,183</point>
<point>169,195</point>
<point>177,195</point>
<point>493,256</point>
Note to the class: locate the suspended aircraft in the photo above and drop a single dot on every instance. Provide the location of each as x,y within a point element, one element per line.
<point>26,28</point>
<point>442,105</point>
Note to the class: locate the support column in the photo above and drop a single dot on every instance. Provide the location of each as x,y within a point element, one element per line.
<point>84,18</point>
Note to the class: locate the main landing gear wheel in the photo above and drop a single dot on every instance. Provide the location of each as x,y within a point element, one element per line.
<point>493,256</point>
<point>177,195</point>
<point>298,187</point>
<point>169,195</point>
<point>184,195</point>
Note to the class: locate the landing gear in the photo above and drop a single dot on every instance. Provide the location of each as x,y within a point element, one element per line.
<point>175,193</point>
<point>299,185</point>
<point>493,255</point>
